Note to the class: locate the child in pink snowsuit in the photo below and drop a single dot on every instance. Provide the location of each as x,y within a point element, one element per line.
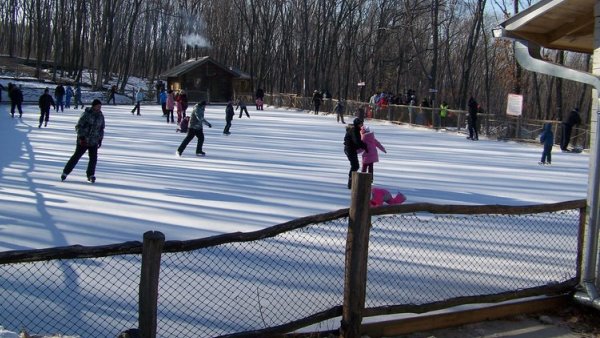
<point>371,156</point>
<point>380,195</point>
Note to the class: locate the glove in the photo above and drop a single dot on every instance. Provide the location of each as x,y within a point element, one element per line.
<point>99,144</point>
<point>210,125</point>
<point>82,142</point>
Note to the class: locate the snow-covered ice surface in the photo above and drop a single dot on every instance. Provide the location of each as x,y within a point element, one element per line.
<point>276,166</point>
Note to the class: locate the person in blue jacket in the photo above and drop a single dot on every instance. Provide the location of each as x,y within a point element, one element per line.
<point>547,139</point>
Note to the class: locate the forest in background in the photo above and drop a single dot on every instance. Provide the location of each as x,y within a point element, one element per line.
<point>441,49</point>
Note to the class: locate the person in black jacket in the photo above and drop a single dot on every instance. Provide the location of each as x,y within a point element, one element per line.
<point>353,142</point>
<point>567,126</point>
<point>16,99</point>
<point>59,93</point>
<point>45,102</point>
<point>229,113</point>
<point>472,122</point>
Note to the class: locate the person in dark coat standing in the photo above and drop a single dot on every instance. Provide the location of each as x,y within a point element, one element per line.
<point>472,122</point>
<point>339,111</point>
<point>112,93</point>
<point>195,129</point>
<point>260,94</point>
<point>567,126</point>
<point>77,96</point>
<point>353,142</point>
<point>59,94</point>
<point>229,113</point>
<point>45,102</point>
<point>2,88</point>
<point>547,139</point>
<point>90,132</point>
<point>16,99</point>
<point>317,98</point>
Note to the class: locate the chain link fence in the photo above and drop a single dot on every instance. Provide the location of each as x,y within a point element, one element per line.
<point>281,280</point>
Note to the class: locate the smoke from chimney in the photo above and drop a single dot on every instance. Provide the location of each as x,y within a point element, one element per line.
<point>195,40</point>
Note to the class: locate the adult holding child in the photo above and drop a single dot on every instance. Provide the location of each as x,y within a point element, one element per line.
<point>352,143</point>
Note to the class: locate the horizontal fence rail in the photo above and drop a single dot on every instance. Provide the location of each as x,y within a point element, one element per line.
<point>422,257</point>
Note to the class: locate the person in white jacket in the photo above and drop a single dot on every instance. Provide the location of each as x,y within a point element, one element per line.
<point>195,129</point>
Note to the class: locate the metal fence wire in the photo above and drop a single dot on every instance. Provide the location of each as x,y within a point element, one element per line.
<point>242,286</point>
<point>89,297</point>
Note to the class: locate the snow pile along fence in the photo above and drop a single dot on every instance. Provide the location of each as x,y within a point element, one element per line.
<point>421,257</point>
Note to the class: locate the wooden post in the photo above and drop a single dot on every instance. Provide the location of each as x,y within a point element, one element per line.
<point>357,247</point>
<point>148,293</point>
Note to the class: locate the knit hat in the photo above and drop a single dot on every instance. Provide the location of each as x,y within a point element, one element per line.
<point>96,102</point>
<point>366,129</point>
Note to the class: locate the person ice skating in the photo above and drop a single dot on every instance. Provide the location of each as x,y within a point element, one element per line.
<point>339,111</point>
<point>45,102</point>
<point>90,132</point>
<point>182,98</point>
<point>159,88</point>
<point>68,96</point>
<point>170,106</point>
<point>472,119</point>
<point>317,98</point>
<point>443,114</point>
<point>112,93</point>
<point>370,156</point>
<point>352,143</point>
<point>139,97</point>
<point>229,113</point>
<point>195,129</point>
<point>260,94</point>
<point>16,99</point>
<point>59,94</point>
<point>163,102</point>
<point>2,88</point>
<point>242,106</point>
<point>77,97</point>
<point>547,139</point>
<point>380,196</point>
<point>259,104</point>
<point>567,126</point>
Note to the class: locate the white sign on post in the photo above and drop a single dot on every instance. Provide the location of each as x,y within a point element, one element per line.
<point>515,105</point>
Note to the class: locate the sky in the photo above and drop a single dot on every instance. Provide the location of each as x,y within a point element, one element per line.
<point>278,165</point>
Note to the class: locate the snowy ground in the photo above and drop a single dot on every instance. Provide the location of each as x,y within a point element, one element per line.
<point>276,166</point>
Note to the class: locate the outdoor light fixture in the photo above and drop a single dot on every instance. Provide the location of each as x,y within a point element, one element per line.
<point>498,32</point>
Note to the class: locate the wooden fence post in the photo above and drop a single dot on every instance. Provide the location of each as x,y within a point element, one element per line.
<point>357,247</point>
<point>148,293</point>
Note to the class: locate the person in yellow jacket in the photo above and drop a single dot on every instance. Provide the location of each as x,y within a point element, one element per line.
<point>443,114</point>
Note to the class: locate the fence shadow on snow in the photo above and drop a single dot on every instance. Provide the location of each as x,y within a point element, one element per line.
<point>421,257</point>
